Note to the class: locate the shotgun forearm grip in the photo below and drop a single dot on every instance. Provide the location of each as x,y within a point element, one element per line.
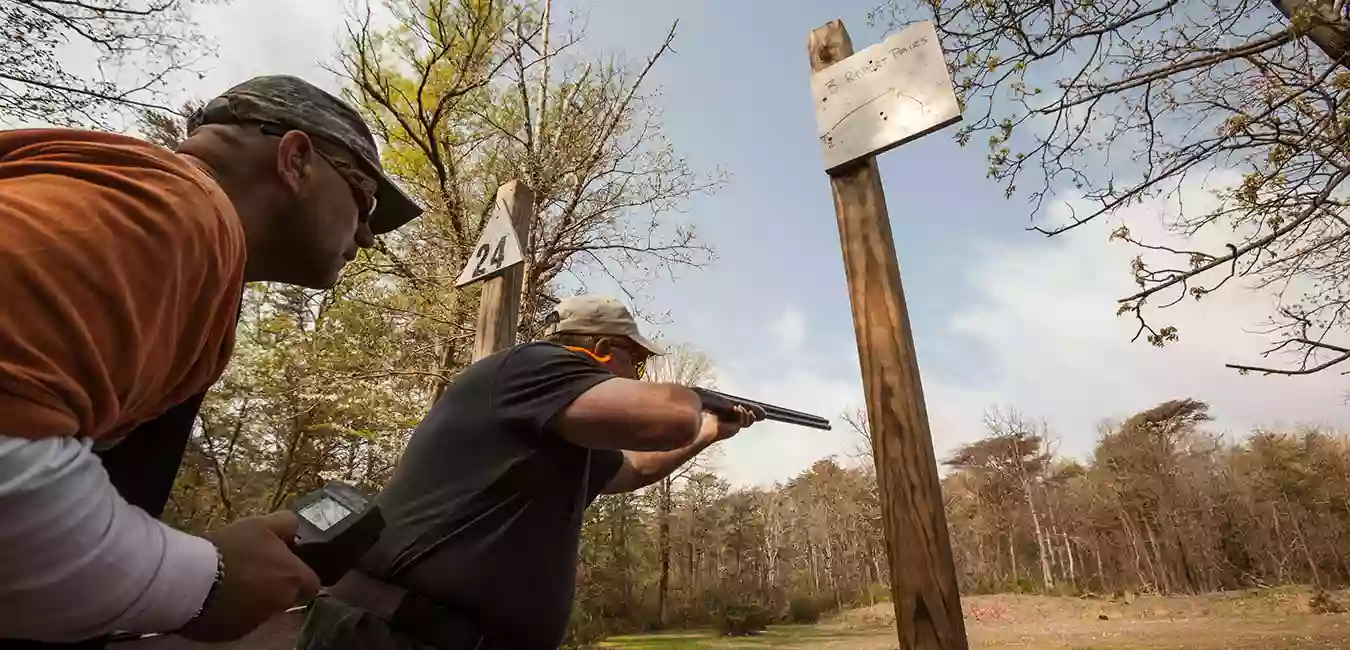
<point>723,408</point>
<point>713,403</point>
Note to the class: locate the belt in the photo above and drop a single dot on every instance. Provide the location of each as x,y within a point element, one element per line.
<point>410,613</point>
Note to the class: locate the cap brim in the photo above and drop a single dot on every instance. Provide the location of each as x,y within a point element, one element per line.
<point>393,208</point>
<point>653,348</point>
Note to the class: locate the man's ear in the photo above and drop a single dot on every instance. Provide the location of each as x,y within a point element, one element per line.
<point>604,346</point>
<point>295,160</point>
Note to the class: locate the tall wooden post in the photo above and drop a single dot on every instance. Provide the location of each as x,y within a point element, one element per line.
<point>923,577</point>
<point>499,306</point>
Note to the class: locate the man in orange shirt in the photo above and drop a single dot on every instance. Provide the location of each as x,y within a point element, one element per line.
<point>121,271</point>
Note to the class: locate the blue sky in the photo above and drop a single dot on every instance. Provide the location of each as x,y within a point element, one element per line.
<point>1000,315</point>
<point>738,95</point>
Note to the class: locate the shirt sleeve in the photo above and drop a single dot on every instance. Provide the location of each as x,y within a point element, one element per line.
<point>605,464</point>
<point>120,273</point>
<point>537,381</point>
<point>77,561</point>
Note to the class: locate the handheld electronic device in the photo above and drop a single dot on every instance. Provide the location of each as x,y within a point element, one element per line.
<point>338,524</point>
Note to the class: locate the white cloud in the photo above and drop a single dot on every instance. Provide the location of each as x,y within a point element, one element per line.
<point>772,451</point>
<point>1038,321</point>
<point>1043,316</point>
<point>262,37</point>
<point>825,380</point>
<point>789,330</point>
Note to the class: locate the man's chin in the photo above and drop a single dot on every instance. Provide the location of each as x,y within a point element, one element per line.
<point>319,281</point>
<point>330,281</point>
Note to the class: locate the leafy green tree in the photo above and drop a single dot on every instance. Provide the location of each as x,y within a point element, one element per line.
<point>469,95</point>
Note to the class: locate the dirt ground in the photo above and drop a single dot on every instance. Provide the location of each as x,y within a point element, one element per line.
<point>1270,619</point>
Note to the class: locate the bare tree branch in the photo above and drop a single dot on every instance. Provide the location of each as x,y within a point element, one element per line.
<point>1129,108</point>
<point>142,45</point>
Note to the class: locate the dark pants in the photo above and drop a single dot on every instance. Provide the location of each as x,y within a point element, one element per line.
<point>334,625</point>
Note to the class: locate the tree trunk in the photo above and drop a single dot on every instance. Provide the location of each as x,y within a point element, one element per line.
<point>622,553</point>
<point>692,583</point>
<point>882,574</point>
<point>982,561</point>
<point>1327,31</point>
<point>447,363</point>
<point>1132,537</point>
<point>1302,542</point>
<point>1068,548</point>
<point>1160,569</point>
<point>1187,564</point>
<point>1101,575</point>
<point>1281,573</point>
<point>830,562</point>
<point>1046,581</point>
<point>285,474</point>
<point>663,537</point>
<point>815,569</point>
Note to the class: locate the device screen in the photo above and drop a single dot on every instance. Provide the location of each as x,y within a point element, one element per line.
<point>324,513</point>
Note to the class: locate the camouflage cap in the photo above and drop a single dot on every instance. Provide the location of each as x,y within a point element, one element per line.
<point>596,315</point>
<point>294,103</point>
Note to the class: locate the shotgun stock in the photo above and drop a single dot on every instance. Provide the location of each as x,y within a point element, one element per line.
<point>778,413</point>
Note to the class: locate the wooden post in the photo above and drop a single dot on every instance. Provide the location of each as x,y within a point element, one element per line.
<point>923,576</point>
<point>499,306</point>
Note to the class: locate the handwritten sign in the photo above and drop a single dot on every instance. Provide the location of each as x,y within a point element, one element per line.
<point>498,248</point>
<point>884,96</point>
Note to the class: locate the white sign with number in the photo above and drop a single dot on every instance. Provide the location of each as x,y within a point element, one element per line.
<point>498,248</point>
<point>884,96</point>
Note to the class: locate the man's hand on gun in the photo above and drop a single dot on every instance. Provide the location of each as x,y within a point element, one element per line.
<point>716,428</point>
<point>728,407</point>
<point>722,418</point>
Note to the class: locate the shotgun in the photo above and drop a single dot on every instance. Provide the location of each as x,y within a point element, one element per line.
<point>771,412</point>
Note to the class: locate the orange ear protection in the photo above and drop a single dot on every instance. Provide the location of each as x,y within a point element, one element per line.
<point>640,368</point>
<point>598,358</point>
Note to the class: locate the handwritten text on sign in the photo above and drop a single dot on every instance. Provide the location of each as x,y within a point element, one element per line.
<point>883,96</point>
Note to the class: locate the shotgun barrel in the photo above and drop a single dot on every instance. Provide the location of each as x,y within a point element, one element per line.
<point>778,413</point>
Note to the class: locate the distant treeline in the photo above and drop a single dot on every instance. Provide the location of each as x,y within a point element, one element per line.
<point>1161,505</point>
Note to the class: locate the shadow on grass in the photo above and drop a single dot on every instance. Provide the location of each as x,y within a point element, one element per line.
<point>777,636</point>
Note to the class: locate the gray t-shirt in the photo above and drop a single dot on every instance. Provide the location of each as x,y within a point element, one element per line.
<point>485,508</point>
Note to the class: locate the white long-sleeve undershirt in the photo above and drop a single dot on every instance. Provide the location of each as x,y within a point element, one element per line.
<point>77,560</point>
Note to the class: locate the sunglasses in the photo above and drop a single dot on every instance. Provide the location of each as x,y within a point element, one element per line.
<point>363,186</point>
<point>639,367</point>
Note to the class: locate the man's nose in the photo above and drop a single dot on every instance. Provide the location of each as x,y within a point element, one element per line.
<point>364,237</point>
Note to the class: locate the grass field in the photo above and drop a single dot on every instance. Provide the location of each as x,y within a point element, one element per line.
<point>1269,619</point>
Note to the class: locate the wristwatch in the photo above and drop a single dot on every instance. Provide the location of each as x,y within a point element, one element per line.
<point>215,587</point>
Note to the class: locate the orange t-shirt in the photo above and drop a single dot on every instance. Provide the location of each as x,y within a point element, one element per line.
<point>121,270</point>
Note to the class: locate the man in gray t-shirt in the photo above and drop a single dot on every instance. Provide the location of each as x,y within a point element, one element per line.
<point>484,510</point>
